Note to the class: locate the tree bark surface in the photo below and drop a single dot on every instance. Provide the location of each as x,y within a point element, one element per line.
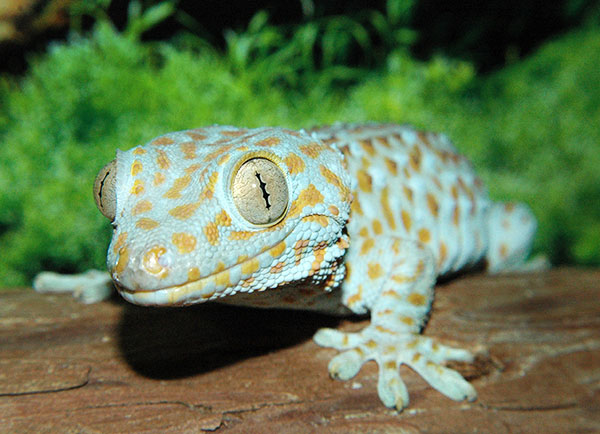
<point>115,367</point>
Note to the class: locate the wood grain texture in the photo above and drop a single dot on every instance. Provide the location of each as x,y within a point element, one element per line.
<point>114,367</point>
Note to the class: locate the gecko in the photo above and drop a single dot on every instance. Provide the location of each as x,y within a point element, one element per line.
<point>343,219</point>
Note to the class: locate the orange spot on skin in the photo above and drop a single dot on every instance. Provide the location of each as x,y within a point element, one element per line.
<point>335,180</point>
<point>161,141</point>
<point>383,141</point>
<point>364,181</point>
<point>407,320</point>
<point>178,185</point>
<point>136,167</point>
<point>294,163</point>
<point>208,295</point>
<point>151,262</point>
<point>355,298</point>
<point>456,215</point>
<point>319,257</point>
<point>392,167</point>
<point>387,212</point>
<point>424,235</point>
<point>367,245</point>
<point>432,204</point>
<point>320,219</point>
<point>223,159</point>
<point>371,344</point>
<point>415,157</point>
<point>454,191</point>
<point>334,210</point>
<point>377,227</point>
<point>223,219</point>
<point>406,220</point>
<point>355,205</point>
<point>416,299</point>
<point>365,163</point>
<point>503,251</point>
<point>408,193</point>
<point>277,250</point>
<point>396,246</point>
<point>310,196</point>
<point>159,178</point>
<point>146,224</point>
<point>385,312</point>
<point>222,278</point>
<point>120,242</point>
<point>208,191</point>
<point>195,136</point>
<point>138,187</point>
<point>189,150</point>
<point>184,212</point>
<point>374,270</point>
<point>275,269</point>
<point>141,207</point>
<point>299,248</point>
<point>368,147</point>
<point>384,330</point>
<point>269,141</point>
<point>391,293</point>
<point>211,232</point>
<point>184,242</point>
<point>443,253</point>
<point>123,260</point>
<point>216,153</point>
<point>312,150</point>
<point>251,266</point>
<point>241,235</point>
<point>234,133</point>
<point>139,151</point>
<point>400,278</point>
<point>193,274</point>
<point>162,160</point>
<point>247,282</point>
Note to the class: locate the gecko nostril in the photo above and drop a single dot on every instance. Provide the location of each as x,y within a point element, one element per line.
<point>157,261</point>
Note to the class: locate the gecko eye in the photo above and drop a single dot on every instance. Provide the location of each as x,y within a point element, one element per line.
<point>260,191</point>
<point>104,190</point>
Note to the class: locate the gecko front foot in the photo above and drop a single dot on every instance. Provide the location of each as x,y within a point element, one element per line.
<point>391,349</point>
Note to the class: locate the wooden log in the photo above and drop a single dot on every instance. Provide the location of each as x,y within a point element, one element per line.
<point>114,367</point>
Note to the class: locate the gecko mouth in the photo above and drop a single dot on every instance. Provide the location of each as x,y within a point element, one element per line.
<point>236,278</point>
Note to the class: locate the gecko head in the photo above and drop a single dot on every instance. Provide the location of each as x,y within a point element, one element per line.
<point>213,212</point>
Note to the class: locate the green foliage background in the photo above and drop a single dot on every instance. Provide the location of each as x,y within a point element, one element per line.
<point>532,128</point>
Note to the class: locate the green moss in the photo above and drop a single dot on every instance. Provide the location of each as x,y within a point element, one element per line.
<point>532,129</point>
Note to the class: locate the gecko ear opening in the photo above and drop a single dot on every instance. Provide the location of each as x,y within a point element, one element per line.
<point>105,190</point>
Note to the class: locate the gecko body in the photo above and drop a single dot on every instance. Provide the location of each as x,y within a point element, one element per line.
<point>341,219</point>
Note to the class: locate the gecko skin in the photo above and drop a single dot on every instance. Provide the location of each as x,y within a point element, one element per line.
<point>342,219</point>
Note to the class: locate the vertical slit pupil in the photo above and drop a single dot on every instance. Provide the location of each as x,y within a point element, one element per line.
<point>263,187</point>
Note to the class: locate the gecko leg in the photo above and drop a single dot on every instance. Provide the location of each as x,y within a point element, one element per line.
<point>89,287</point>
<point>398,312</point>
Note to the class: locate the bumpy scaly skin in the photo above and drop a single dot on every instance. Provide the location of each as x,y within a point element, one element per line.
<point>375,213</point>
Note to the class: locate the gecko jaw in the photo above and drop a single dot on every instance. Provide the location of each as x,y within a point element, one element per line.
<point>226,282</point>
